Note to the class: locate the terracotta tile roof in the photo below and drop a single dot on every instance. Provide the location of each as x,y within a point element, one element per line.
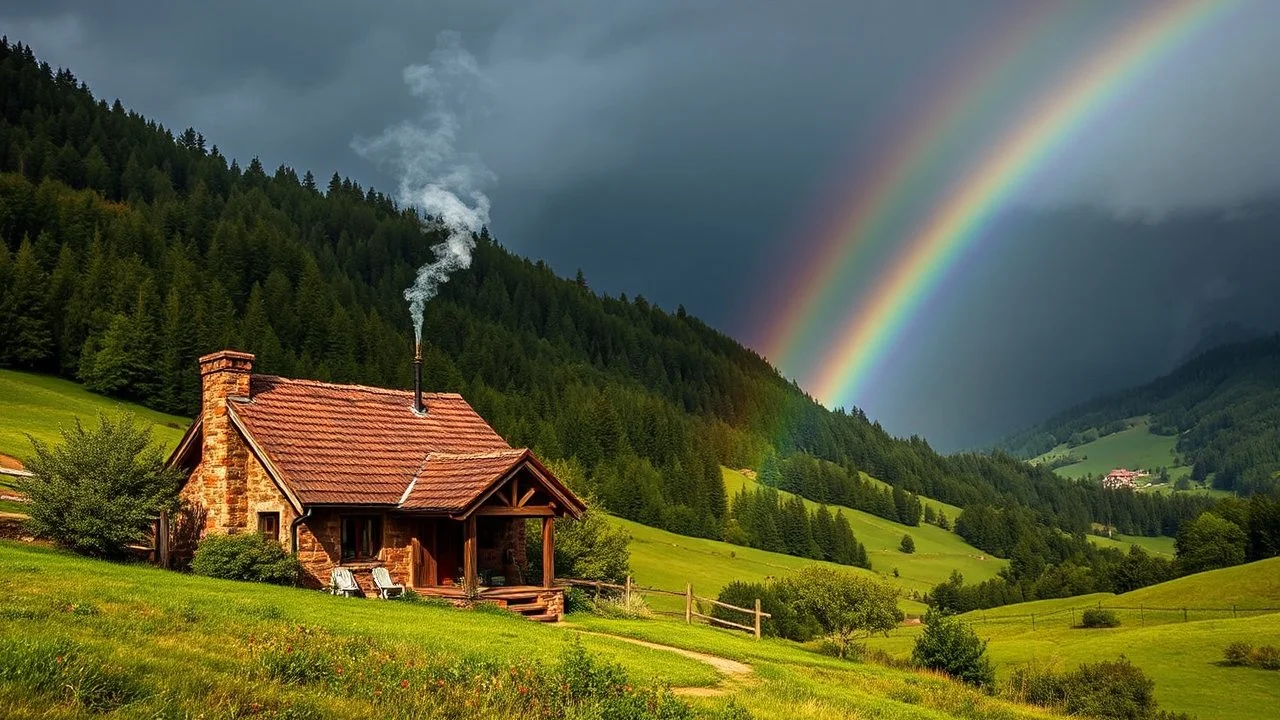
<point>351,444</point>
<point>449,482</point>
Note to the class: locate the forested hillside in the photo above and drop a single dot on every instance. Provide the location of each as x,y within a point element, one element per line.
<point>1223,406</point>
<point>129,250</point>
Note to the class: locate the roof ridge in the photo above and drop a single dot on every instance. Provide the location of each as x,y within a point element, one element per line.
<point>353,386</point>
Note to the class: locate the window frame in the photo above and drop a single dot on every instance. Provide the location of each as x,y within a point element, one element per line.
<point>274,516</point>
<point>359,537</point>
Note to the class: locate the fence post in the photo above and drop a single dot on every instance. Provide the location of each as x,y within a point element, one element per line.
<point>757,618</point>
<point>1073,617</point>
<point>1233,611</point>
<point>1184,614</point>
<point>1033,621</point>
<point>627,592</point>
<point>1142,614</point>
<point>688,603</point>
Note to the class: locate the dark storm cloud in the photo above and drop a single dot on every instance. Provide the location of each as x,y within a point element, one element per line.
<point>674,149</point>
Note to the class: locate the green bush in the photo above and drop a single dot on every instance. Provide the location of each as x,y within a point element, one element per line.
<point>844,605</point>
<point>1111,689</point>
<point>953,648</point>
<point>908,545</point>
<point>245,557</point>
<point>1099,618</point>
<point>622,607</point>
<point>1266,657</point>
<point>98,491</point>
<point>1238,653</point>
<point>588,548</point>
<point>785,621</point>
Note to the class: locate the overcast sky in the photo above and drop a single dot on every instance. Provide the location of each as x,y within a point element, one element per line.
<point>679,150</point>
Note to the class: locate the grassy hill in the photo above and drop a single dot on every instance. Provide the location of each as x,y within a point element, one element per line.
<point>938,551</point>
<point>40,404</point>
<point>1181,655</point>
<point>170,644</point>
<point>1135,448</point>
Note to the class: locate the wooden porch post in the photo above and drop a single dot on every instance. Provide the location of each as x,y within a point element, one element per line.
<point>548,552</point>
<point>469,555</point>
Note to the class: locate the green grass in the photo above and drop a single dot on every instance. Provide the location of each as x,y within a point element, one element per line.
<point>1135,449</point>
<point>40,404</point>
<point>1182,656</point>
<point>667,561</point>
<point>1155,545</point>
<point>188,642</point>
<point>938,551</point>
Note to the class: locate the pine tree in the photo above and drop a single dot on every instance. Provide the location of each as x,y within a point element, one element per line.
<point>28,341</point>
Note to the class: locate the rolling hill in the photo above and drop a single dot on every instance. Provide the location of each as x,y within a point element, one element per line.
<point>162,643</point>
<point>1215,419</point>
<point>1175,631</point>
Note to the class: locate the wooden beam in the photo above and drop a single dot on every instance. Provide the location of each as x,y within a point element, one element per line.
<point>415,562</point>
<point>530,511</point>
<point>469,555</point>
<point>528,494</point>
<point>548,552</point>
<point>515,489</point>
<point>433,563</point>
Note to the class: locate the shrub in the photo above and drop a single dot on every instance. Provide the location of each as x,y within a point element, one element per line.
<point>576,600</point>
<point>953,648</point>
<point>842,604</point>
<point>784,621</point>
<point>245,557</point>
<point>622,607</point>
<point>1266,657</point>
<point>1112,689</point>
<point>1238,653</point>
<point>1099,618</point>
<point>908,544</point>
<point>588,548</point>
<point>98,491</point>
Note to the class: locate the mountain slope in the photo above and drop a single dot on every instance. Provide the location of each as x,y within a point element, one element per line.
<point>127,250</point>
<point>1220,413</point>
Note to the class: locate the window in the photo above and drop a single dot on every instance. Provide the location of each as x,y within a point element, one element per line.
<point>361,537</point>
<point>269,525</point>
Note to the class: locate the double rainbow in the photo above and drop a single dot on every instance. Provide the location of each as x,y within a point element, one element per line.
<point>914,274</point>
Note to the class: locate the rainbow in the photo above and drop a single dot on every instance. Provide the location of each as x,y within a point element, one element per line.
<point>887,191</point>
<point>930,252</point>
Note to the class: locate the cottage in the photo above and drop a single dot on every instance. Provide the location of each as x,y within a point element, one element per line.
<point>362,477</point>
<point>1121,478</point>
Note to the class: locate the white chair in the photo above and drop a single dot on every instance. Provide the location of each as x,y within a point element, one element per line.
<point>386,588</point>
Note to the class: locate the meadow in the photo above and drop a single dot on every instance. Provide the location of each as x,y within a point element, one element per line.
<point>1183,656</point>
<point>938,551</point>
<point>176,644</point>
<point>1135,448</point>
<point>38,405</point>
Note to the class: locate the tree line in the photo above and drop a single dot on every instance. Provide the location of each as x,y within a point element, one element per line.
<point>128,250</point>
<point>762,519</point>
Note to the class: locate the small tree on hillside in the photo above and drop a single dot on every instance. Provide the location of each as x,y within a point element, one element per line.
<point>843,604</point>
<point>952,647</point>
<point>99,490</point>
<point>908,545</point>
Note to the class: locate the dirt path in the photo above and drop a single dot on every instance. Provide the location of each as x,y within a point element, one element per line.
<point>730,668</point>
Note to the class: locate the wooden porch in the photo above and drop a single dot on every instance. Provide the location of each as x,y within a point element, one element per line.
<point>532,601</point>
<point>480,555</point>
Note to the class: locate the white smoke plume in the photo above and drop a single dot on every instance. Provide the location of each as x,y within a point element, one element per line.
<point>435,175</point>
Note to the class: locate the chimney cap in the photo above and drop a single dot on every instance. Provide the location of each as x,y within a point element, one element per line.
<point>231,360</point>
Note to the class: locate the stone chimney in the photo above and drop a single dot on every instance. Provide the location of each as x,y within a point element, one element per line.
<point>224,374</point>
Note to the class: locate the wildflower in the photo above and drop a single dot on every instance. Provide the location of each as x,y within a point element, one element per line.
<point>59,659</point>
<point>288,648</point>
<point>440,683</point>
<point>404,684</point>
<point>339,669</point>
<point>523,690</point>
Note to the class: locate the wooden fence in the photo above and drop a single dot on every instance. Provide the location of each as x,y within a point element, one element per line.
<point>691,608</point>
<point>1143,614</point>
